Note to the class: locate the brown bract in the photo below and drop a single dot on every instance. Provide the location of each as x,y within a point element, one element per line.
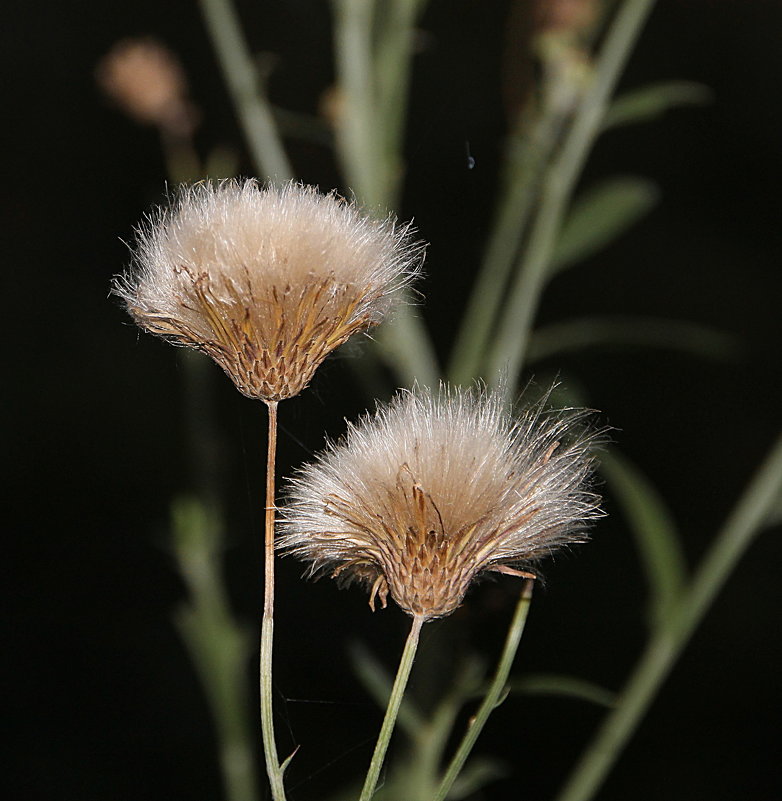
<point>420,499</point>
<point>267,281</point>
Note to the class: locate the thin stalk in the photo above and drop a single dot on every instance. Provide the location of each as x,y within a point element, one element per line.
<point>493,696</point>
<point>273,768</point>
<point>668,641</point>
<point>241,76</point>
<point>508,354</point>
<point>392,710</point>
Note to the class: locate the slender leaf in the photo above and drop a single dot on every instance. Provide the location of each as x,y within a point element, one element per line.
<point>601,215</point>
<point>377,682</point>
<point>477,774</point>
<point>653,100</point>
<point>568,686</point>
<point>654,530</point>
<point>587,332</point>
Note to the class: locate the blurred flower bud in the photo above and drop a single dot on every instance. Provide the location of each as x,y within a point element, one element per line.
<point>145,80</point>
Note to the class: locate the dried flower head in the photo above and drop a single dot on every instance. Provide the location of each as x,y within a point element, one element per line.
<point>432,490</point>
<point>267,281</point>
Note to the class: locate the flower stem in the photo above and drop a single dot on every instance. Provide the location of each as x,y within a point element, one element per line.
<point>267,627</point>
<point>493,696</point>
<point>392,710</point>
<point>672,635</point>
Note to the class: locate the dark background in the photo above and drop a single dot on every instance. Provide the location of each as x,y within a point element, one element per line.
<point>104,703</point>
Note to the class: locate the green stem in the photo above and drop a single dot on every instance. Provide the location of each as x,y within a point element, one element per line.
<point>493,696</point>
<point>670,638</point>
<point>241,77</point>
<point>392,710</point>
<point>267,627</point>
<point>507,355</point>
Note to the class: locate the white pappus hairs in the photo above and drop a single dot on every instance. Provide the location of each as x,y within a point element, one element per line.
<point>266,280</point>
<point>434,489</point>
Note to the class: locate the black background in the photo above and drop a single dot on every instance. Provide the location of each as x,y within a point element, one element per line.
<point>104,704</point>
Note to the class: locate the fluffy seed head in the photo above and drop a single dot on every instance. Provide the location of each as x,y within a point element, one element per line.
<point>267,281</point>
<point>432,490</point>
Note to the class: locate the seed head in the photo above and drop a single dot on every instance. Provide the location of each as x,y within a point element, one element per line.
<point>432,490</point>
<point>267,281</point>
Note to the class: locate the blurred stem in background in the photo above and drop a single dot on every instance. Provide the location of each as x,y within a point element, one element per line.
<point>219,648</point>
<point>373,44</point>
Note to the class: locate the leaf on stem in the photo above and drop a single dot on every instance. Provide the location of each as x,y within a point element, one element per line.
<point>654,530</point>
<point>377,682</point>
<point>566,686</point>
<point>652,101</point>
<point>476,774</point>
<point>629,331</point>
<point>287,760</point>
<point>601,215</point>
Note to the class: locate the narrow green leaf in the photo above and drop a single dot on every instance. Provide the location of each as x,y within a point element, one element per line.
<point>654,531</point>
<point>377,682</point>
<point>569,686</point>
<point>601,215</point>
<point>477,774</point>
<point>653,100</point>
<point>588,332</point>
